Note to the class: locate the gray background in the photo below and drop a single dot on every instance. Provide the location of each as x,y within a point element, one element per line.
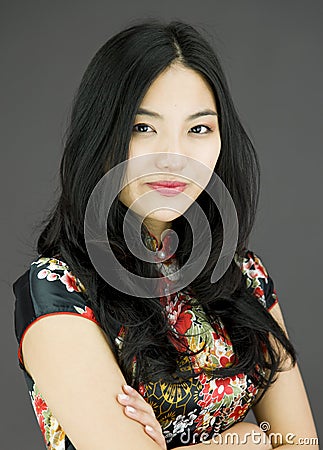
<point>271,52</point>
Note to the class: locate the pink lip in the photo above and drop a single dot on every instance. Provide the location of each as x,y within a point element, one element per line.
<point>168,184</point>
<point>168,188</point>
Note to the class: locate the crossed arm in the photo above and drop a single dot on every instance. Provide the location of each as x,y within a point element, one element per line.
<point>285,407</point>
<point>81,382</point>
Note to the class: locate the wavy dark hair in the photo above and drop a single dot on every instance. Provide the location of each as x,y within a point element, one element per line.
<point>97,139</point>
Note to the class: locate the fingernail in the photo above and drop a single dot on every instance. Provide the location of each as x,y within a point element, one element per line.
<point>130,409</point>
<point>149,429</point>
<point>123,396</point>
<point>128,388</point>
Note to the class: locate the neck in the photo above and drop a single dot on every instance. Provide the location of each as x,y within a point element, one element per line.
<point>156,228</point>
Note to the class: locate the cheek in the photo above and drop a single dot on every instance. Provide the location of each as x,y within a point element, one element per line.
<point>123,196</point>
<point>210,154</point>
<point>129,193</point>
<point>138,147</point>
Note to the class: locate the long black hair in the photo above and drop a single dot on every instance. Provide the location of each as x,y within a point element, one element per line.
<point>97,139</point>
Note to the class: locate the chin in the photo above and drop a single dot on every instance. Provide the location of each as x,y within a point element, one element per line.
<point>164,215</point>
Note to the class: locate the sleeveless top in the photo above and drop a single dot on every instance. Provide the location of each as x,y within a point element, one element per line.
<point>189,412</point>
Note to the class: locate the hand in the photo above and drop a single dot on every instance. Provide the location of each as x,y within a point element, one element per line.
<point>138,409</point>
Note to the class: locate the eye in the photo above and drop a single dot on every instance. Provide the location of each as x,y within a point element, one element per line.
<point>141,127</point>
<point>198,127</point>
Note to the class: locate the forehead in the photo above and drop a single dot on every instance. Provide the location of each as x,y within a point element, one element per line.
<point>179,87</point>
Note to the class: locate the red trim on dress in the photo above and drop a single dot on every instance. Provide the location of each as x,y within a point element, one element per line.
<point>50,314</point>
<point>275,303</point>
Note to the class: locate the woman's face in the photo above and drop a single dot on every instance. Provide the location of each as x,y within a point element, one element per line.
<point>165,135</point>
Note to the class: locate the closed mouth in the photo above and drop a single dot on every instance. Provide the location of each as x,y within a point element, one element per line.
<point>168,184</point>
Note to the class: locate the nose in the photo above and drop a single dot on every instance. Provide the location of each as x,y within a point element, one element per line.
<point>172,159</point>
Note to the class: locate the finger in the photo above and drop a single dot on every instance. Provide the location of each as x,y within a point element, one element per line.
<point>132,391</point>
<point>142,416</point>
<point>137,401</point>
<point>152,426</point>
<point>137,408</point>
<point>139,405</point>
<point>157,437</point>
<point>146,420</point>
<point>129,390</point>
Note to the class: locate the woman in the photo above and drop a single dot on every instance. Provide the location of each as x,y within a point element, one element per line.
<point>179,367</point>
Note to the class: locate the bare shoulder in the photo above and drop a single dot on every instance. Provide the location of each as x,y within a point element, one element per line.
<point>72,364</point>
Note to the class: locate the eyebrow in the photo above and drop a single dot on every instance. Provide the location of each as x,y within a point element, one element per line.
<point>205,112</point>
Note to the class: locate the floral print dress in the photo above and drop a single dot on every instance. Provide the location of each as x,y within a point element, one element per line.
<point>190,412</point>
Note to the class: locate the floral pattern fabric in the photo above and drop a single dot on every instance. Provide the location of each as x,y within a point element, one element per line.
<point>188,412</point>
